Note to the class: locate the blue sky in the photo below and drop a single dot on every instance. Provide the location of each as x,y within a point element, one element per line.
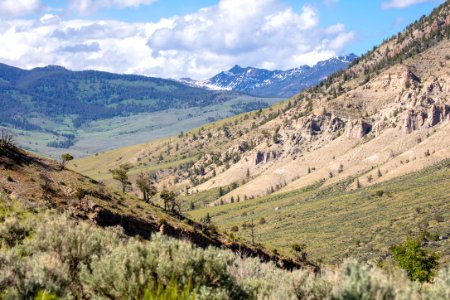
<point>176,38</point>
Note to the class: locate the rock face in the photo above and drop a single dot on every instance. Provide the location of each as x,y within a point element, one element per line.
<point>335,124</point>
<point>422,117</point>
<point>259,157</point>
<point>358,128</point>
<point>265,157</point>
<point>271,155</point>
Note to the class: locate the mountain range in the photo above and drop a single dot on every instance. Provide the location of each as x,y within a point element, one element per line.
<point>261,82</point>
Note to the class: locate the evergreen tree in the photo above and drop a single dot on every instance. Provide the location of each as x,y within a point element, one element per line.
<point>65,158</point>
<point>145,185</point>
<point>121,174</point>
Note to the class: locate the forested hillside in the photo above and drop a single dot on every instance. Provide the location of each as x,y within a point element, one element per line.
<point>85,96</point>
<point>52,108</point>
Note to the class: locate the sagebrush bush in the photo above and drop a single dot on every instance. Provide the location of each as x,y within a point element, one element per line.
<point>132,268</point>
<point>441,287</point>
<point>12,232</point>
<point>357,281</point>
<point>266,281</point>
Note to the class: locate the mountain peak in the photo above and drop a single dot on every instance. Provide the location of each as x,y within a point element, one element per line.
<point>348,57</point>
<point>50,68</point>
<point>236,69</point>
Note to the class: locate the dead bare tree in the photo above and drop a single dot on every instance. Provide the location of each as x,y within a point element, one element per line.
<point>7,140</point>
<point>252,232</point>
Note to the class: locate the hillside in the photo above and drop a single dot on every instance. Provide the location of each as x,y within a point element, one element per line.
<point>38,184</point>
<point>384,117</point>
<point>334,223</point>
<point>266,83</point>
<point>53,109</point>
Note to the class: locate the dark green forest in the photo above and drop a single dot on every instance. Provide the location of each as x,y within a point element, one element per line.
<point>85,96</point>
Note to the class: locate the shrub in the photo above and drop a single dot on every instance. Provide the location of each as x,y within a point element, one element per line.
<point>7,141</point>
<point>12,232</point>
<point>128,270</point>
<point>80,193</point>
<point>266,281</point>
<point>357,281</point>
<point>379,193</point>
<point>162,221</point>
<point>418,263</point>
<point>297,247</point>
<point>440,289</point>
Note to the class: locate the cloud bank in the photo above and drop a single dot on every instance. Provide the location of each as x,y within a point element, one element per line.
<point>89,6</point>
<point>15,8</point>
<point>260,33</point>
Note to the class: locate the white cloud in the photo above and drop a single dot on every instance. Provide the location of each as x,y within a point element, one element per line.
<point>49,19</point>
<point>89,6</point>
<point>401,3</point>
<point>260,33</point>
<point>336,28</point>
<point>253,32</point>
<point>14,8</point>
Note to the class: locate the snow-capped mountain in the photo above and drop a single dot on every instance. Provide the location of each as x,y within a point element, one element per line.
<point>275,83</point>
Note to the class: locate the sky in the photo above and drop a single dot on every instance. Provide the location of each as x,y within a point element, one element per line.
<point>196,39</point>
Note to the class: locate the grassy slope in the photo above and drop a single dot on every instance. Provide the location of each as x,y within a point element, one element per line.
<point>335,224</point>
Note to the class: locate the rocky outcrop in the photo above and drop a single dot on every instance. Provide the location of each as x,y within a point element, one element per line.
<point>358,128</point>
<point>438,114</point>
<point>435,115</point>
<point>271,155</point>
<point>335,124</point>
<point>259,157</point>
<point>268,156</point>
<point>416,119</point>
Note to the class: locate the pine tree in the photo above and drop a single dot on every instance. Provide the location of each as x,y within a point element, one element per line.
<point>65,158</point>
<point>121,174</point>
<point>145,185</point>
